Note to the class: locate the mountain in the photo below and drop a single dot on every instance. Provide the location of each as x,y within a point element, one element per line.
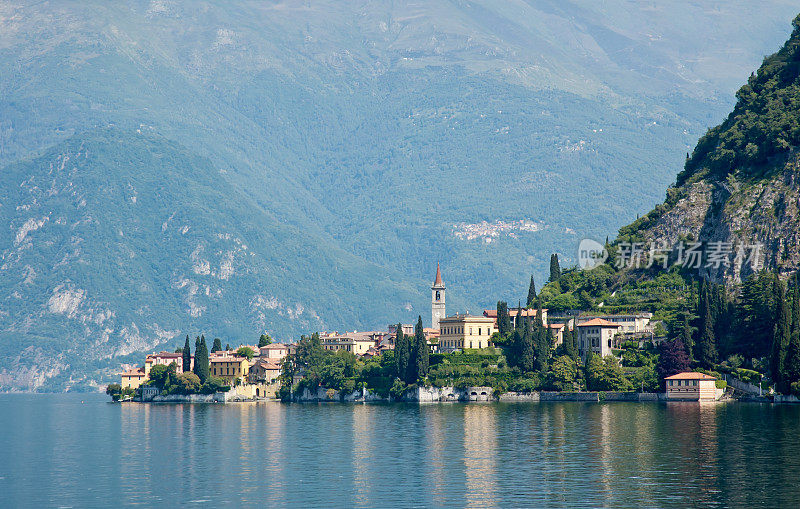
<point>172,168</point>
<point>741,184</point>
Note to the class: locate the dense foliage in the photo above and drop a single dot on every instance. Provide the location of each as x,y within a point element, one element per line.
<point>764,123</point>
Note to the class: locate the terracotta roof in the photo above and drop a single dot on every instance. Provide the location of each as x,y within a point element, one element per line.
<point>228,359</point>
<point>690,375</point>
<point>267,364</point>
<point>275,346</point>
<point>492,313</point>
<point>168,355</point>
<point>134,372</point>
<point>556,325</point>
<point>599,322</point>
<point>438,280</point>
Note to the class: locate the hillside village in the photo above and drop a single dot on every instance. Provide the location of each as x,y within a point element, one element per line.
<point>268,369</point>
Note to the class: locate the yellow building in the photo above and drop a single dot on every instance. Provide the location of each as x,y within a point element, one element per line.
<point>354,342</point>
<point>230,369</point>
<point>465,331</point>
<point>133,378</point>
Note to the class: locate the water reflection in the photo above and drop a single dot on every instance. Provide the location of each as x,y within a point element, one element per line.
<point>55,451</point>
<point>480,460</point>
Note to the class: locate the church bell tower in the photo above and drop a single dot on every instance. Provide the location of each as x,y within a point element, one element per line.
<point>437,299</point>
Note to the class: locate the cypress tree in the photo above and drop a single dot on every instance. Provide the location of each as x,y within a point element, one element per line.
<point>263,340</point>
<point>187,356</point>
<point>196,343</point>
<point>531,293</point>
<point>201,360</point>
<point>568,342</point>
<point>792,361</point>
<point>217,346</point>
<point>707,354</point>
<point>503,319</point>
<point>780,338</point>
<point>526,354</point>
<point>419,354</point>
<point>555,268</point>
<point>685,335</point>
<point>227,347</point>
<point>402,353</point>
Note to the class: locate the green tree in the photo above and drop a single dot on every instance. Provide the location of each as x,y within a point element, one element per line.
<point>402,353</point>
<point>159,374</point>
<point>531,293</point>
<point>685,334</point>
<point>563,374</point>
<point>264,340</point>
<point>420,355</point>
<point>781,337</point>
<point>201,363</point>
<point>593,370</point>
<point>187,355</point>
<point>246,351</point>
<point>707,354</point>
<point>185,383</point>
<point>503,319</point>
<point>216,346</point>
<point>613,379</point>
<point>555,268</point>
<point>792,361</point>
<point>114,390</point>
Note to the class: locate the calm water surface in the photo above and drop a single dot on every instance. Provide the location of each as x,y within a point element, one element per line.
<point>79,451</point>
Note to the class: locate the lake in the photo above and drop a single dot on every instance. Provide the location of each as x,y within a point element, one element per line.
<point>77,450</point>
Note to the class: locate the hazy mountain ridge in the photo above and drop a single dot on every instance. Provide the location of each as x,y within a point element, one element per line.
<point>343,143</point>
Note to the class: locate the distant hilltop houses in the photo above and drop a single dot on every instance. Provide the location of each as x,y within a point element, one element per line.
<point>253,371</point>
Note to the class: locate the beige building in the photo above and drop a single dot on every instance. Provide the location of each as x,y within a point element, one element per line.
<point>514,313</point>
<point>133,378</point>
<point>264,371</point>
<point>230,368</point>
<point>557,329</point>
<point>165,358</point>
<point>628,324</point>
<point>596,335</point>
<point>691,386</point>
<point>354,342</point>
<point>274,351</point>
<point>458,332</point>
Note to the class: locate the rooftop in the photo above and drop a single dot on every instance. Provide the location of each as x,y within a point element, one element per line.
<point>690,375</point>
<point>599,322</point>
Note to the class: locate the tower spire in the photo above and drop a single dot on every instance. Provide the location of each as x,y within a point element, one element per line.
<point>438,280</point>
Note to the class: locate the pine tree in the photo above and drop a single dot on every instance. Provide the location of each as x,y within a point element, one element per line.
<point>531,293</point>
<point>187,356</point>
<point>503,319</point>
<point>420,356</point>
<point>263,340</point>
<point>555,268</point>
<point>201,360</point>
<point>707,354</point>
<point>780,338</point>
<point>217,346</point>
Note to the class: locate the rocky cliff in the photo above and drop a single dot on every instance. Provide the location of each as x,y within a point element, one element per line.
<point>738,193</point>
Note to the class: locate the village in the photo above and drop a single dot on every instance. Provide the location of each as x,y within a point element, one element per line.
<point>251,372</point>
